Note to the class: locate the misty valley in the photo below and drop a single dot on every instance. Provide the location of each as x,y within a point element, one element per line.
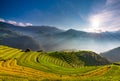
<point>40,52</point>
<point>59,40</point>
<point>53,39</point>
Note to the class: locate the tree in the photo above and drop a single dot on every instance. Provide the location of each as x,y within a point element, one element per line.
<point>28,50</point>
<point>40,50</point>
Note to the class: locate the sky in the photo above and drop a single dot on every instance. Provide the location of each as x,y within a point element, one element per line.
<point>86,15</point>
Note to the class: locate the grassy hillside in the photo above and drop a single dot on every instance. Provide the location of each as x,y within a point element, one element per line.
<point>17,65</point>
<point>80,58</point>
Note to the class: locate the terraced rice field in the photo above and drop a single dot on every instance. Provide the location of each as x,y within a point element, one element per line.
<point>17,65</point>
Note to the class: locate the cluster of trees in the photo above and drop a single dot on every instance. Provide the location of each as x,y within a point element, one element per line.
<point>28,50</point>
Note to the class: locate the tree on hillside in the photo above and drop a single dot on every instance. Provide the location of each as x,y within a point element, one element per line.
<point>28,50</point>
<point>40,50</point>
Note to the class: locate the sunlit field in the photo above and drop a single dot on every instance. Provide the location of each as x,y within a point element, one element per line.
<point>59,40</point>
<point>17,65</point>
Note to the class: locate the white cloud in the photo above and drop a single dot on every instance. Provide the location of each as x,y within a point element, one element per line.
<point>15,23</point>
<point>109,17</point>
<point>2,20</point>
<point>12,22</point>
<point>21,24</point>
<point>108,2</point>
<point>28,24</point>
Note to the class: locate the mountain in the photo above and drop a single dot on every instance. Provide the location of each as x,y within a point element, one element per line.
<point>40,34</point>
<point>96,36</point>
<point>113,55</point>
<point>13,39</point>
<point>31,29</point>
<point>98,42</point>
<point>37,34</point>
<point>54,39</point>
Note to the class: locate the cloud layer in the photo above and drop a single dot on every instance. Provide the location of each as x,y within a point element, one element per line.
<point>108,17</point>
<point>16,23</point>
<point>2,20</point>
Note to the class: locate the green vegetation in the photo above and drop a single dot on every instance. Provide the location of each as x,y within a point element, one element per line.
<point>18,65</point>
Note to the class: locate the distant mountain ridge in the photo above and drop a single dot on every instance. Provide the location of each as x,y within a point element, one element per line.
<point>54,39</point>
<point>113,55</point>
<point>14,39</point>
<point>33,29</point>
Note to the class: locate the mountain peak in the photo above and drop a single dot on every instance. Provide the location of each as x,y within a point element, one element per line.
<point>113,55</point>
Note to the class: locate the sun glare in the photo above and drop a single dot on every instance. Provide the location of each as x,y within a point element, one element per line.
<point>95,23</point>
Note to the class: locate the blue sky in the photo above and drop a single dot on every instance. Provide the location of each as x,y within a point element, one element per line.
<point>88,15</point>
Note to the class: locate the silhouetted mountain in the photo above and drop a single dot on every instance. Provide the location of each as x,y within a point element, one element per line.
<point>113,55</point>
<point>31,29</point>
<point>52,39</point>
<point>72,33</point>
<point>10,38</point>
<point>36,33</point>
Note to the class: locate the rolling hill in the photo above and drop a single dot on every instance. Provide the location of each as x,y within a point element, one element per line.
<point>17,65</point>
<point>113,55</point>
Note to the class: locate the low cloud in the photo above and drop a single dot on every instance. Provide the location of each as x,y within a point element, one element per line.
<point>15,23</point>
<point>12,22</point>
<point>28,24</point>
<point>2,20</point>
<point>21,24</point>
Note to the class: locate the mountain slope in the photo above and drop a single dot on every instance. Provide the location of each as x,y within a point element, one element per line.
<point>31,29</point>
<point>13,39</point>
<point>81,58</point>
<point>54,39</point>
<point>113,55</point>
<point>37,33</point>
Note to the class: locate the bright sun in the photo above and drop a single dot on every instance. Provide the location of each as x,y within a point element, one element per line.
<point>95,23</point>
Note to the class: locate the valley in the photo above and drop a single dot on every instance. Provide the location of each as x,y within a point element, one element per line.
<point>59,40</point>
<point>50,38</point>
